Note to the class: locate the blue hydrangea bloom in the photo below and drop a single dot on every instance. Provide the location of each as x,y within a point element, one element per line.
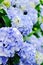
<point>27,54</point>
<point>11,12</point>
<point>40,46</point>
<point>36,42</point>
<point>33,15</point>
<point>18,16</point>
<point>3,60</point>
<point>19,2</point>
<point>33,40</point>
<point>22,63</point>
<point>30,19</point>
<point>10,41</point>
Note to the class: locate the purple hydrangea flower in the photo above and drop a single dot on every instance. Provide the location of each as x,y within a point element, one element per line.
<point>18,17</point>
<point>24,22</point>
<point>33,40</point>
<point>10,41</point>
<point>27,54</point>
<point>40,46</point>
<point>22,63</point>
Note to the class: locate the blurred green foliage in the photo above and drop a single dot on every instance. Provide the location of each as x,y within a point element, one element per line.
<point>4,20</point>
<point>1,1</point>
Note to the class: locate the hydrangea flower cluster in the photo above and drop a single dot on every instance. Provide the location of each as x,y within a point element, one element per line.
<point>20,12</point>
<point>21,37</point>
<point>27,54</point>
<point>10,41</point>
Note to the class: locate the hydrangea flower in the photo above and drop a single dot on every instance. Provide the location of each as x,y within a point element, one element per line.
<point>33,15</point>
<point>12,12</point>
<point>18,16</point>
<point>24,28</point>
<point>29,17</point>
<point>3,60</point>
<point>40,46</point>
<point>27,54</point>
<point>20,3</point>
<point>33,40</point>
<point>22,63</point>
<point>10,41</point>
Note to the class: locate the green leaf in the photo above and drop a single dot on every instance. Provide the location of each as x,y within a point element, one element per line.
<point>7,21</point>
<point>36,26</point>
<point>2,24</point>
<point>42,32</point>
<point>41,63</point>
<point>38,14</point>
<point>16,59</point>
<point>1,1</point>
<point>13,60</point>
<point>41,1</point>
<point>2,12</point>
<point>36,34</point>
<point>36,29</point>
<point>38,7</point>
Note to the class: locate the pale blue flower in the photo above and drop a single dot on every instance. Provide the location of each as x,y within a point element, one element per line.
<point>27,54</point>
<point>33,15</point>
<point>22,63</point>
<point>33,40</point>
<point>40,46</point>
<point>10,41</point>
<point>25,22</point>
<point>11,12</point>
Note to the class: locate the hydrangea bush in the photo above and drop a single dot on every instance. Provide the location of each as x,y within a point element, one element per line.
<point>21,32</point>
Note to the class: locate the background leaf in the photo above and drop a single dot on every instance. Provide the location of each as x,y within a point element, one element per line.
<point>1,1</point>
<point>7,21</point>
<point>2,12</point>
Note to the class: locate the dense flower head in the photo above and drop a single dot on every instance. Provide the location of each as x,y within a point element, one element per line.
<point>40,47</point>
<point>10,41</point>
<point>23,41</point>
<point>20,13</point>
<point>20,23</point>
<point>27,54</point>
<point>24,20</point>
<point>36,42</point>
<point>33,40</point>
